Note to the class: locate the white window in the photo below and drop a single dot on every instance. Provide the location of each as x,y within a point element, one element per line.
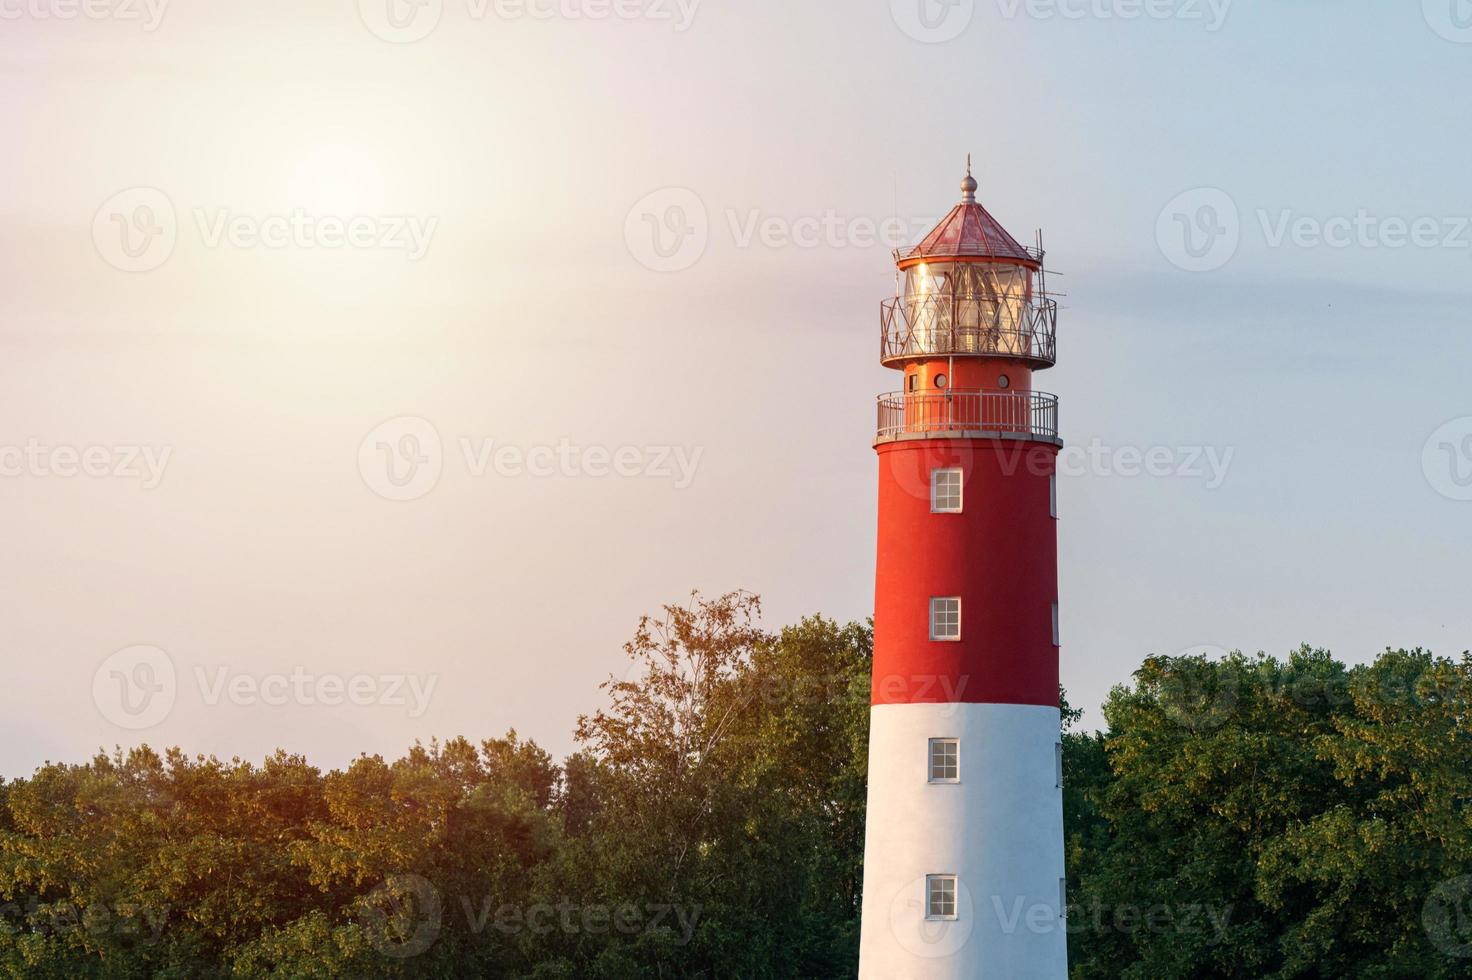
<point>945,764</point>
<point>940,896</point>
<point>1055,625</point>
<point>945,491</point>
<point>1058,764</point>
<point>1052,494</point>
<point>945,618</point>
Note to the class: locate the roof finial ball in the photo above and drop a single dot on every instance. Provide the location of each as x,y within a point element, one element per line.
<point>968,186</point>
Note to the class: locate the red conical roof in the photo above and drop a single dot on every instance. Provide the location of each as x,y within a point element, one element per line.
<point>969,231</point>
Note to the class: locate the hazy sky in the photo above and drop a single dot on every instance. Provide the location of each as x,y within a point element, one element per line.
<point>270,267</point>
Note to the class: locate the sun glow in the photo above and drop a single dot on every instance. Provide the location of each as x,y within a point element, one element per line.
<point>335,179</point>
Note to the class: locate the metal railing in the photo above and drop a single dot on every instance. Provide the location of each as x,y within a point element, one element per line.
<point>976,249</point>
<point>1026,413</point>
<point>940,324</point>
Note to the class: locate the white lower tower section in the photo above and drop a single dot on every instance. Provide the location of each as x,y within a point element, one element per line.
<point>998,828</point>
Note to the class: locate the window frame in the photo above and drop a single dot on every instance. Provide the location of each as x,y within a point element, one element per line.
<point>955,882</point>
<point>932,618</point>
<point>930,746</point>
<point>960,495</point>
<point>1057,636</point>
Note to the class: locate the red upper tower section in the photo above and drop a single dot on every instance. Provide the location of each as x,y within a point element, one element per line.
<point>966,588</point>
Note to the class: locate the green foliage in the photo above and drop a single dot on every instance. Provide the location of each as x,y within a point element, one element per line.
<point>1275,819</point>
<point>1251,817</point>
<point>712,826</point>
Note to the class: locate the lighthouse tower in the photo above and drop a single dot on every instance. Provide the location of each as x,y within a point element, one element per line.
<point>963,856</point>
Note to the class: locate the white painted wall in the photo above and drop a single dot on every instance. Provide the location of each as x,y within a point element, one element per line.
<point>1000,829</point>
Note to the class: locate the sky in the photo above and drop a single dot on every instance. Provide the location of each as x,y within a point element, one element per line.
<point>367,369</point>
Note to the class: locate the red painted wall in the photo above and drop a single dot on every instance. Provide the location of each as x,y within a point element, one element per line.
<point>1000,555</point>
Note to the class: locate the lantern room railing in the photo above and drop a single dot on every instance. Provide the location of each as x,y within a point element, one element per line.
<point>968,250</point>
<point>943,324</point>
<point>1018,413</point>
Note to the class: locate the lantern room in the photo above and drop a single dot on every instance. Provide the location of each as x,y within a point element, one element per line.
<point>970,322</point>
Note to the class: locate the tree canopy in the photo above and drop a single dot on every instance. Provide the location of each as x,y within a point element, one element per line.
<point>1247,817</point>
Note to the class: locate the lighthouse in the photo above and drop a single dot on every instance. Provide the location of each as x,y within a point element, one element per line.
<point>963,851</point>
